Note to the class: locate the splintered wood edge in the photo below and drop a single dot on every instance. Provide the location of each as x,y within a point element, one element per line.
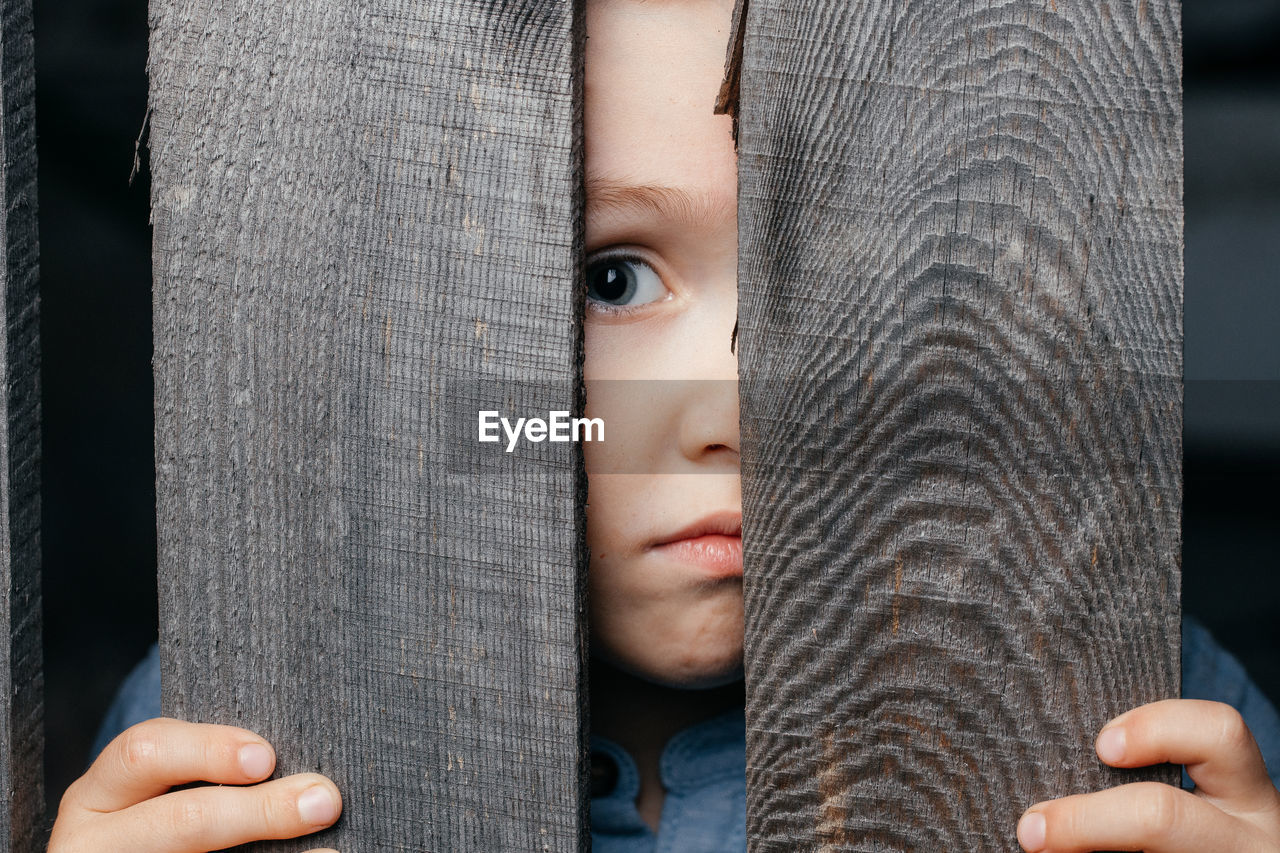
<point>727,98</point>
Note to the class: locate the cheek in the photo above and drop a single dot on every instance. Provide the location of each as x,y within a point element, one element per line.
<point>613,351</point>
<point>617,507</point>
<point>616,510</point>
<point>661,630</point>
<point>627,373</point>
<point>636,428</point>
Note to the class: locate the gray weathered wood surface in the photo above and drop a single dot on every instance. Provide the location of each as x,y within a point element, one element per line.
<point>21,676</point>
<point>367,227</point>
<point>961,334</point>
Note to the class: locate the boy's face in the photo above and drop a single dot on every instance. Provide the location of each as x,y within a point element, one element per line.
<point>662,299</point>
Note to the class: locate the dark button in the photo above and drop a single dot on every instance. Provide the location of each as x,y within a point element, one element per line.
<point>604,774</point>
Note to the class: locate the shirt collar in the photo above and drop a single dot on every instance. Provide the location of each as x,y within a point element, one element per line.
<point>705,752</point>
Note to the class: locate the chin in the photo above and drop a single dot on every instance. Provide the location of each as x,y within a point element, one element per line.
<point>683,671</point>
<point>698,672</point>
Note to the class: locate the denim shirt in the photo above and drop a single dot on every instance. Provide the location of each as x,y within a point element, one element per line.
<point>703,767</point>
<point>704,772</point>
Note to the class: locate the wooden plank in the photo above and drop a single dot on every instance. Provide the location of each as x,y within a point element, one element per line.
<point>367,227</point>
<point>21,676</point>
<point>960,332</point>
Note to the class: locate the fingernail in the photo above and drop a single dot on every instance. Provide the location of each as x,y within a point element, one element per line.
<point>1111,745</point>
<point>317,807</point>
<point>1031,832</point>
<point>255,760</point>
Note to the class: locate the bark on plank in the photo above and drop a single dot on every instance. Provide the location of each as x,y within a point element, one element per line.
<point>366,225</point>
<point>961,335</point>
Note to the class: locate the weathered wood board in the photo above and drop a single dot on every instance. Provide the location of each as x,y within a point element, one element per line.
<point>961,365</point>
<point>21,676</point>
<point>367,226</point>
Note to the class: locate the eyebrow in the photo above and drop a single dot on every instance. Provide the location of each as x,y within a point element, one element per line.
<point>606,195</point>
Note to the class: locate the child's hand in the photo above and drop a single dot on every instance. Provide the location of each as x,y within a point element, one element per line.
<point>123,801</point>
<point>1234,807</point>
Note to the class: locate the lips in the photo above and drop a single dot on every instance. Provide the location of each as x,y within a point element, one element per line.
<point>713,545</point>
<point>719,523</point>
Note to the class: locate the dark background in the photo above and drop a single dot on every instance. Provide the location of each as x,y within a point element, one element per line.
<point>99,527</point>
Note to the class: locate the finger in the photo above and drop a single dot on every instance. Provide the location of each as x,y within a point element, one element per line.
<point>1146,816</point>
<point>150,758</point>
<point>197,820</point>
<point>1210,738</point>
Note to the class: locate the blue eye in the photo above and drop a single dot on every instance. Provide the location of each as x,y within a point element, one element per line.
<point>621,282</point>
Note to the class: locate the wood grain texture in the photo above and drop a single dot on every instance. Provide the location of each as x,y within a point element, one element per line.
<point>961,364</point>
<point>21,675</point>
<point>367,214</point>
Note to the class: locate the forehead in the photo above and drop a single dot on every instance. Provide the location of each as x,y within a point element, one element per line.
<point>653,70</point>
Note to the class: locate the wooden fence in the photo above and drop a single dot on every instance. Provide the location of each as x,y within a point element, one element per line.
<point>960,282</point>
<point>961,382</point>
<point>21,685</point>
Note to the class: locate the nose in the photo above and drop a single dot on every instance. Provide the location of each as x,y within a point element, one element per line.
<point>708,432</point>
<point>709,426</point>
